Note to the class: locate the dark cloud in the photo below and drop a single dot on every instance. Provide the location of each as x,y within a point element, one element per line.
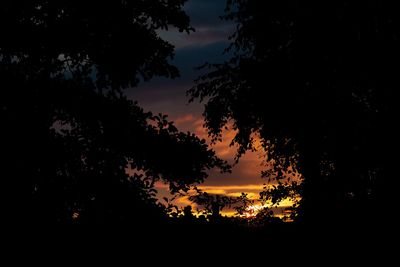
<point>208,36</point>
<point>168,99</point>
<point>201,37</point>
<point>205,18</point>
<point>188,58</point>
<point>206,12</point>
<point>243,174</point>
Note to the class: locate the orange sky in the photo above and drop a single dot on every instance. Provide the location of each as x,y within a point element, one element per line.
<point>245,176</point>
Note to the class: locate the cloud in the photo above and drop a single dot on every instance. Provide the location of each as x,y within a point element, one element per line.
<point>184,201</point>
<point>252,190</point>
<point>205,18</point>
<point>188,58</point>
<point>184,119</point>
<point>247,187</point>
<point>209,35</point>
<point>205,12</point>
<point>201,37</point>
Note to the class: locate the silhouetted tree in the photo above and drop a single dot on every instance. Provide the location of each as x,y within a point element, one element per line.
<point>317,81</point>
<point>244,203</point>
<point>68,132</point>
<point>187,214</point>
<point>213,204</point>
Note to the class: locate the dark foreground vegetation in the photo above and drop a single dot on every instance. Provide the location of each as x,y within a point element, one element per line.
<point>316,80</point>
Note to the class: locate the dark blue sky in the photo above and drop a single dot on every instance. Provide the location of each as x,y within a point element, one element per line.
<point>205,45</point>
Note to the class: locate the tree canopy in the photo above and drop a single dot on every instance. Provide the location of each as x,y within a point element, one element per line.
<point>317,80</point>
<point>75,149</point>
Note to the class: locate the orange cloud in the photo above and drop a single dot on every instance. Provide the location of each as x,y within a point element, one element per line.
<point>184,119</point>
<point>249,187</point>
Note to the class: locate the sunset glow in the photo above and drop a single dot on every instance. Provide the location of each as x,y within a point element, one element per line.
<point>253,210</point>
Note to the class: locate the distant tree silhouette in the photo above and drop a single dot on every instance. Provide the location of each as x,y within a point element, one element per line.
<point>244,204</point>
<point>318,81</point>
<point>187,214</point>
<point>212,204</point>
<point>68,132</point>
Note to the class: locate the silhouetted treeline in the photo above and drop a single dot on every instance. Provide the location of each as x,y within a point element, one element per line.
<point>318,80</point>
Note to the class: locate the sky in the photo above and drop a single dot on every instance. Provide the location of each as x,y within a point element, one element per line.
<point>168,96</point>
